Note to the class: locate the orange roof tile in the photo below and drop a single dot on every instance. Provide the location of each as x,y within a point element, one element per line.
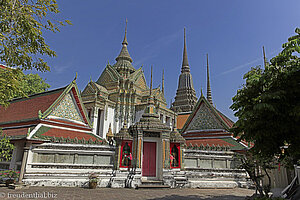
<point>55,132</point>
<point>210,142</point>
<point>181,119</point>
<point>16,132</point>
<point>27,108</point>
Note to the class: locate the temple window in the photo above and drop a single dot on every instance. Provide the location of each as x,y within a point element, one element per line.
<point>175,155</point>
<point>161,118</point>
<point>168,121</point>
<point>126,156</point>
<point>100,121</point>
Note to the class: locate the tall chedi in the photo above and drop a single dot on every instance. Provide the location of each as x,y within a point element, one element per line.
<point>185,98</point>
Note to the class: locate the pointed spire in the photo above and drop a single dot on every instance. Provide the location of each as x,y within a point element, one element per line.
<point>208,95</point>
<point>123,65</point>
<point>151,83</point>
<point>125,36</point>
<point>150,109</point>
<point>185,98</point>
<point>265,59</point>
<point>185,62</point>
<point>124,54</point>
<point>163,83</point>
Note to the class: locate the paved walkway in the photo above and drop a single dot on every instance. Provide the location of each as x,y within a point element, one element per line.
<point>115,194</point>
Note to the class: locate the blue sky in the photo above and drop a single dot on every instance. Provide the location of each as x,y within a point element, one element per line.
<point>232,32</point>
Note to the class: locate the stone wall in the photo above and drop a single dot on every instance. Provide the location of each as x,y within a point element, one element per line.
<point>52,164</point>
<point>69,165</point>
<point>213,169</point>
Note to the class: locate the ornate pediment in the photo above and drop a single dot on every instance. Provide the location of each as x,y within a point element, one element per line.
<point>88,90</point>
<point>67,109</point>
<point>108,75</point>
<point>141,82</point>
<point>204,119</point>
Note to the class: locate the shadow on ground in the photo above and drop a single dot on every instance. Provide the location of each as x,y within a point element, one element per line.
<point>194,197</point>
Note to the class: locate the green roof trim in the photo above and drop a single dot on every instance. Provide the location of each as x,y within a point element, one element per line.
<point>43,129</point>
<point>18,121</point>
<point>237,145</point>
<point>40,132</point>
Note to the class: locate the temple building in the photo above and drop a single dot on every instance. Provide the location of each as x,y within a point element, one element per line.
<point>121,130</point>
<point>121,94</point>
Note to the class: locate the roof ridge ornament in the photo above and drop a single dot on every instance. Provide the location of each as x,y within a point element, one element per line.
<point>75,77</point>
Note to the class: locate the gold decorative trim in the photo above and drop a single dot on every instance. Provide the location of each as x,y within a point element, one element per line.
<point>140,146</point>
<point>164,153</point>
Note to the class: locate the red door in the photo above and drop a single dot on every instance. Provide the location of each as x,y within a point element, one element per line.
<point>149,159</point>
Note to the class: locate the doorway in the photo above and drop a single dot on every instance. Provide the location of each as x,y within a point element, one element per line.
<point>149,159</point>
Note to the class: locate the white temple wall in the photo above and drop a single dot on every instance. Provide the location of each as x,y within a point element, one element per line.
<point>138,115</point>
<point>52,164</point>
<point>213,169</point>
<point>108,119</point>
<point>94,119</point>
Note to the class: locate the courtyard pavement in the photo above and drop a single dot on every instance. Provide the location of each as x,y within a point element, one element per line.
<point>124,193</point>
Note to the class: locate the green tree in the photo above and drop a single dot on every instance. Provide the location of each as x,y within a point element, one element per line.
<point>19,85</point>
<point>6,148</point>
<point>10,84</point>
<point>268,105</point>
<point>22,45</point>
<point>32,84</point>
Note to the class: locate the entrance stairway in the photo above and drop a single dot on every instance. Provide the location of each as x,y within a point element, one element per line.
<point>152,184</point>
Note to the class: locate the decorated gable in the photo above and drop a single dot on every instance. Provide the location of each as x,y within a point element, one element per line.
<point>141,82</point>
<point>88,90</point>
<point>204,119</point>
<point>67,109</point>
<point>108,75</point>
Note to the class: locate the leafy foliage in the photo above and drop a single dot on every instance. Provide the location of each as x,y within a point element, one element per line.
<point>10,84</point>
<point>22,23</point>
<point>22,45</point>
<point>6,148</point>
<point>32,84</point>
<point>14,83</point>
<point>268,105</point>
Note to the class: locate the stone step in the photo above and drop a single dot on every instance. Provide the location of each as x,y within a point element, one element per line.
<point>180,178</point>
<point>152,182</point>
<point>153,186</point>
<point>18,186</point>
